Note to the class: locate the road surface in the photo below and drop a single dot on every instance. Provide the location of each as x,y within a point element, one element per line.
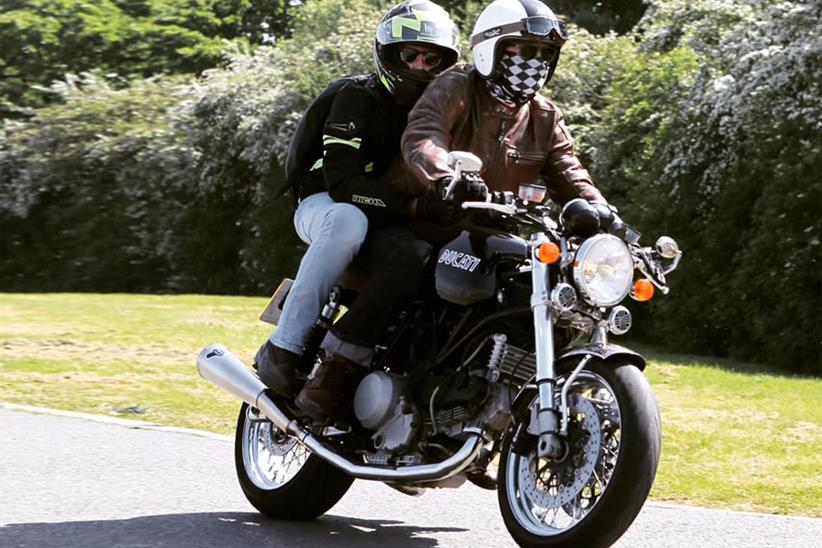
<point>76,481</point>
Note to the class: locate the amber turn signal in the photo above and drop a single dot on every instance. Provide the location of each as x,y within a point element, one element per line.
<point>643,290</point>
<point>548,253</point>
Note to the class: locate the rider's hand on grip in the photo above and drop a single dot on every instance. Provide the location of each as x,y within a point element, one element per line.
<point>610,222</point>
<point>432,206</point>
<point>606,213</point>
<point>471,189</point>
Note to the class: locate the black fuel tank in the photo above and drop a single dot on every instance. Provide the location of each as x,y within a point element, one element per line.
<point>466,267</point>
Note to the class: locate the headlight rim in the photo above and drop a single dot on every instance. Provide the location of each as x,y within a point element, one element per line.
<point>582,254</point>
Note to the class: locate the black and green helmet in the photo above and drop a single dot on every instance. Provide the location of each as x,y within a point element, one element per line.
<point>413,22</point>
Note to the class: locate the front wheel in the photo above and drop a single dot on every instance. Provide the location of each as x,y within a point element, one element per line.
<point>280,477</point>
<point>590,495</point>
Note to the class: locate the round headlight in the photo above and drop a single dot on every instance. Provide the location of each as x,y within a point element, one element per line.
<point>603,270</point>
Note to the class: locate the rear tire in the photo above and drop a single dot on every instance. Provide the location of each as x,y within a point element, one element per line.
<point>613,493</point>
<point>278,476</point>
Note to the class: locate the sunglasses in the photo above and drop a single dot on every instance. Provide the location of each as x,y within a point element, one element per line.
<point>430,58</point>
<point>532,51</point>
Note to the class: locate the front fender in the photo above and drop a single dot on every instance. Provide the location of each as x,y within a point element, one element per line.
<point>605,353</point>
<point>568,360</point>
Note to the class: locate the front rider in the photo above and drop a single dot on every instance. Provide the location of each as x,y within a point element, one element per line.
<point>345,191</point>
<point>494,110</point>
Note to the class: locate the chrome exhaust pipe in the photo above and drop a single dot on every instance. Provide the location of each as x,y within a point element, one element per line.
<point>219,366</point>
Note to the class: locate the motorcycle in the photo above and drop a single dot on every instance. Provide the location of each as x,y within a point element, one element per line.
<point>503,376</point>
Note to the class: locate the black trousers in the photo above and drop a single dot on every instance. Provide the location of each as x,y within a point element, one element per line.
<point>395,259</point>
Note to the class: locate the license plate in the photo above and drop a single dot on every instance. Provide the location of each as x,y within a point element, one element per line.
<point>274,308</point>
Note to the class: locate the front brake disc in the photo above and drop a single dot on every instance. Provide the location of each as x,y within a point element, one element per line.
<point>553,483</point>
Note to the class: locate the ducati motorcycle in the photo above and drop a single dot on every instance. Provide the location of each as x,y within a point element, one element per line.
<point>503,375</point>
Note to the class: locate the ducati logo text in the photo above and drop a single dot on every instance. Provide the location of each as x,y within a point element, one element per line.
<point>367,200</point>
<point>458,259</point>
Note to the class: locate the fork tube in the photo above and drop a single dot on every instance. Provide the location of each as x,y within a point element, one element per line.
<point>549,444</point>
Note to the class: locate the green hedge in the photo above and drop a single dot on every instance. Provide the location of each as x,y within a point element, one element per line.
<point>711,135</point>
<point>166,185</point>
<point>703,124</point>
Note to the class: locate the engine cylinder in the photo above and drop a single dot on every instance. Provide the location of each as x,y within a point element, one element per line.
<point>376,399</point>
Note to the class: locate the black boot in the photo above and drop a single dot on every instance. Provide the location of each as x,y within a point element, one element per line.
<point>332,389</point>
<point>276,367</point>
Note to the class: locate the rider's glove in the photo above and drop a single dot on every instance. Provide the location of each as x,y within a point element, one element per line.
<point>607,215</point>
<point>432,206</point>
<point>471,190</point>
<point>441,185</point>
<point>611,223</point>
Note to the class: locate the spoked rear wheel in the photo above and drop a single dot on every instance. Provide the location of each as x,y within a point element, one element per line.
<point>280,477</point>
<point>590,495</point>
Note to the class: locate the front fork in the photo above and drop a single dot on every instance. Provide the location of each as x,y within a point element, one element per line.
<point>549,445</point>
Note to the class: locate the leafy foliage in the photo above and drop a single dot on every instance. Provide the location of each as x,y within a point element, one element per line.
<point>167,185</point>
<point>601,16</point>
<point>247,114</point>
<point>711,135</point>
<point>89,187</point>
<point>702,124</point>
<point>596,16</point>
<point>41,40</point>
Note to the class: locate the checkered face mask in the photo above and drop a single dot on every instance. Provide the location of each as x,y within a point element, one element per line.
<point>522,78</point>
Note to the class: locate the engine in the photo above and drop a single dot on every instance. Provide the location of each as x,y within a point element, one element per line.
<point>380,405</point>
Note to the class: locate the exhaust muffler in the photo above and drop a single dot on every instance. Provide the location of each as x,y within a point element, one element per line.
<point>219,366</point>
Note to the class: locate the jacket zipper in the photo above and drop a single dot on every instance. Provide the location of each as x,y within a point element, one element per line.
<point>500,139</point>
<point>520,155</point>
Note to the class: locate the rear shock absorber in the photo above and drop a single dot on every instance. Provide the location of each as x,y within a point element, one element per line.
<point>318,331</point>
<point>497,356</point>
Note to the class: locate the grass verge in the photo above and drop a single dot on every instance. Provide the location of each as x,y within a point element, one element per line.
<point>732,437</point>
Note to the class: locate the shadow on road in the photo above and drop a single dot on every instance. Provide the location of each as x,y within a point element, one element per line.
<point>230,530</point>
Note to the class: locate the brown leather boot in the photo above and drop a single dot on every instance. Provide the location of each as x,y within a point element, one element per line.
<point>276,368</point>
<point>332,389</point>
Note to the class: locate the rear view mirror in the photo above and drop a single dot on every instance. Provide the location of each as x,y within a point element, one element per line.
<point>532,193</point>
<point>463,161</point>
<point>667,247</point>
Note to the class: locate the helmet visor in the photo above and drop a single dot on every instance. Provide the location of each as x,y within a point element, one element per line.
<point>407,29</point>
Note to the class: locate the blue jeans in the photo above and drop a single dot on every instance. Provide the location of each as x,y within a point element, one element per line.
<point>334,233</point>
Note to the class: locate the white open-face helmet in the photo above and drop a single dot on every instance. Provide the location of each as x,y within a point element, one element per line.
<point>514,20</point>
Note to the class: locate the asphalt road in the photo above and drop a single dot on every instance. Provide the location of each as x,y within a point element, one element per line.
<point>69,481</point>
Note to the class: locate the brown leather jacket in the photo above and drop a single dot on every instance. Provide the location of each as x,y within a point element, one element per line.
<point>516,145</point>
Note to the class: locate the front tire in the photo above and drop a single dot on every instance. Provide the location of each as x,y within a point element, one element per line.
<point>278,476</point>
<point>592,495</point>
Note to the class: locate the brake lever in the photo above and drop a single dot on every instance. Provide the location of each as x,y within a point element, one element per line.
<point>650,267</point>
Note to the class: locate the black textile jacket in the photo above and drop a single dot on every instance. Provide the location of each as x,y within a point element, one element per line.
<point>357,149</point>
